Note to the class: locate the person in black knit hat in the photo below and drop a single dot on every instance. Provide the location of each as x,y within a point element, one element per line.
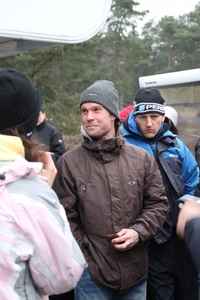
<point>34,228</point>
<point>20,100</point>
<point>171,270</point>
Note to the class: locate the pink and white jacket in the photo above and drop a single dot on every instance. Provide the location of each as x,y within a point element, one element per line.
<point>38,254</point>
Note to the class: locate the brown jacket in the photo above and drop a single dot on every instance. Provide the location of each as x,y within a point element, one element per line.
<point>106,186</point>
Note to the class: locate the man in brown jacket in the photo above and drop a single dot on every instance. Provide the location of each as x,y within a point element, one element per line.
<point>110,187</point>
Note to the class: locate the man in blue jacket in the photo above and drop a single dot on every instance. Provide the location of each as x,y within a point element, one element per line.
<point>172,274</point>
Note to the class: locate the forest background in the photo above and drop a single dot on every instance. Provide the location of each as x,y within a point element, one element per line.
<point>118,53</point>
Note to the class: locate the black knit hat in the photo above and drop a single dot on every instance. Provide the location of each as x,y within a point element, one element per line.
<point>104,93</point>
<point>19,101</point>
<point>148,101</point>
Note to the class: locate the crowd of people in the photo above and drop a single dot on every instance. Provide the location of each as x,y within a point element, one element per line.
<point>95,222</point>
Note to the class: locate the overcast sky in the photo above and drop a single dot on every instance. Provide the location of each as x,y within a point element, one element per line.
<point>158,8</point>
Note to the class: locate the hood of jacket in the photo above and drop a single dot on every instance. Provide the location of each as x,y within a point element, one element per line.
<point>105,150</point>
<point>10,147</point>
<point>131,126</point>
<point>41,125</point>
<point>18,169</point>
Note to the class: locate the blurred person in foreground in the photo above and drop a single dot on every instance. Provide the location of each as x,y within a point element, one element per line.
<point>33,225</point>
<point>172,274</point>
<point>188,228</point>
<point>114,199</point>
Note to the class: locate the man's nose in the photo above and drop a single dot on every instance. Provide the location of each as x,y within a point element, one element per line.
<point>148,121</point>
<point>90,115</point>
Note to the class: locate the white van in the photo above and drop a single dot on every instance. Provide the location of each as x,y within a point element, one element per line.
<point>27,25</point>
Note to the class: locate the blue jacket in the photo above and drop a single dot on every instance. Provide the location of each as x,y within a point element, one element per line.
<point>177,165</point>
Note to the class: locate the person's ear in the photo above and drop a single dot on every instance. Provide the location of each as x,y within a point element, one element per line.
<point>112,117</point>
<point>163,118</point>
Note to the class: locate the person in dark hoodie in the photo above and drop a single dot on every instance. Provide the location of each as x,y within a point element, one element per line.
<point>172,273</point>
<point>49,135</point>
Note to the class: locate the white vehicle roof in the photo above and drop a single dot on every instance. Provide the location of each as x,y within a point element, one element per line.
<point>45,23</point>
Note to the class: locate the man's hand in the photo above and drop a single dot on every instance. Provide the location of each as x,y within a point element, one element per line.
<point>127,239</point>
<point>190,210</point>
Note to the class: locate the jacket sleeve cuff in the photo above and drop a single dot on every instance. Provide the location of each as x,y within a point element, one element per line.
<point>143,234</point>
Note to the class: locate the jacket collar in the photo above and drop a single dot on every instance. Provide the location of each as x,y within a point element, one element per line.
<point>131,126</point>
<point>105,150</point>
<point>41,125</point>
<point>10,147</point>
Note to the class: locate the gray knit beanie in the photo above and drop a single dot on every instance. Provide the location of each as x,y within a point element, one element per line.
<point>104,93</point>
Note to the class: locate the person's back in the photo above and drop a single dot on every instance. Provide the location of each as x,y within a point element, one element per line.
<point>172,274</point>
<point>29,217</point>
<point>33,225</point>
